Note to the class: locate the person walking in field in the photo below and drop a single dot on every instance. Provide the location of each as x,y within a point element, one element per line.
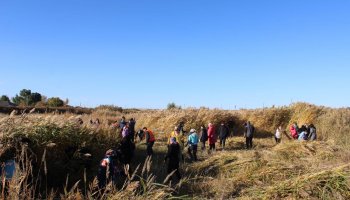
<point>249,134</point>
<point>278,135</point>
<point>150,139</point>
<point>223,134</point>
<point>192,143</point>
<point>211,137</point>
<point>173,157</point>
<point>204,136</point>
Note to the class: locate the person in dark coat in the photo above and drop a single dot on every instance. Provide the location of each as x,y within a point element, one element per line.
<point>223,134</point>
<point>132,123</point>
<point>173,157</point>
<point>127,149</point>
<point>204,136</point>
<point>249,134</point>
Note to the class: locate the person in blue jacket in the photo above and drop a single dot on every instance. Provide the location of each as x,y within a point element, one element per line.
<point>192,142</point>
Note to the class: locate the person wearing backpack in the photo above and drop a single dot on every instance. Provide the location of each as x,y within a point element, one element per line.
<point>150,139</point>
<point>204,136</point>
<point>223,134</point>
<point>106,169</point>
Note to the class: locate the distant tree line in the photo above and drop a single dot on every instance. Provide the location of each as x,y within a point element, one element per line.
<point>28,98</point>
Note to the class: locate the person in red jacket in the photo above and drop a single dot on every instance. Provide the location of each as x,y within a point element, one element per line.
<point>211,137</point>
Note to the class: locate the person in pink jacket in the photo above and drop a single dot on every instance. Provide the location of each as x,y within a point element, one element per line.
<point>294,131</point>
<point>211,136</point>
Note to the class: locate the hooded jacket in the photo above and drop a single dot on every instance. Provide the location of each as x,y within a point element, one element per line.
<point>193,139</point>
<point>294,132</point>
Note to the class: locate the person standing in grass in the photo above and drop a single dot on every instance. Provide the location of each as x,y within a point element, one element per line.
<point>193,144</point>
<point>127,148</point>
<point>179,139</point>
<point>173,157</point>
<point>278,135</point>
<point>249,134</point>
<point>294,130</point>
<point>125,131</point>
<point>132,124</point>
<point>211,137</point>
<point>106,169</point>
<point>204,136</point>
<point>122,123</point>
<point>223,134</point>
<point>313,135</point>
<point>150,139</point>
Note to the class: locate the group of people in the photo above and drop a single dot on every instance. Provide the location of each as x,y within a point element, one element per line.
<point>176,143</point>
<point>111,166</point>
<point>305,132</point>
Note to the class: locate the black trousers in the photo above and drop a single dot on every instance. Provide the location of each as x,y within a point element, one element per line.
<point>150,148</point>
<point>192,151</point>
<point>223,142</point>
<point>278,140</point>
<point>203,145</point>
<point>174,166</point>
<point>212,146</point>
<point>249,142</point>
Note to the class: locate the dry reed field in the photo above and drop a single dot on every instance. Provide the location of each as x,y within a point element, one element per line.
<point>57,158</point>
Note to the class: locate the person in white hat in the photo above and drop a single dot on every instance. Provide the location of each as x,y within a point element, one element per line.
<point>193,144</point>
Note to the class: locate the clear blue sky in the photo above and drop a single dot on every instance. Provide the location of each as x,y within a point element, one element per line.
<point>147,53</point>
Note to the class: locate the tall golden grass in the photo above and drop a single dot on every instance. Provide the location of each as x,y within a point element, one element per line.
<point>291,170</point>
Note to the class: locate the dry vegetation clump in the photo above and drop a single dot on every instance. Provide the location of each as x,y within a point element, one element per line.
<point>289,170</point>
<point>65,147</point>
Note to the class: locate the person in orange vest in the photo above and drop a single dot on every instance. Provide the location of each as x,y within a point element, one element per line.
<point>150,139</point>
